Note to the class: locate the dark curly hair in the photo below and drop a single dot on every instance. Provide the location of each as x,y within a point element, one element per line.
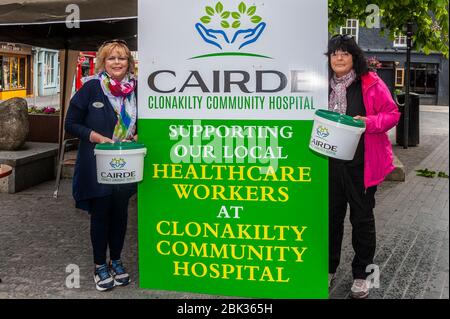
<point>348,44</point>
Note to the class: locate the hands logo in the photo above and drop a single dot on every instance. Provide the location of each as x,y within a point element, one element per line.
<point>237,29</point>
<point>322,132</point>
<point>117,163</point>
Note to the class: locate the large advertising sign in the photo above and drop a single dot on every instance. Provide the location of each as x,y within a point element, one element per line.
<point>233,201</point>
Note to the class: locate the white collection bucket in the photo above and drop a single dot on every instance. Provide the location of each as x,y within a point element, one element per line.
<point>120,163</point>
<point>336,135</point>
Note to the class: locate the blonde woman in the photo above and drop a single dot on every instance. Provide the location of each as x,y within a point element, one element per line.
<point>104,111</point>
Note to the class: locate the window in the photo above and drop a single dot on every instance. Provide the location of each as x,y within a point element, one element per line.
<point>50,69</point>
<point>22,68</point>
<point>400,41</point>
<point>14,63</point>
<point>352,28</point>
<point>399,77</point>
<point>424,77</point>
<point>12,73</point>
<point>5,73</point>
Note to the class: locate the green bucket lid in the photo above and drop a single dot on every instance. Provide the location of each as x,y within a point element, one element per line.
<point>119,146</point>
<point>340,118</point>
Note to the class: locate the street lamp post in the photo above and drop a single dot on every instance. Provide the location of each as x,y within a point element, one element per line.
<point>408,74</point>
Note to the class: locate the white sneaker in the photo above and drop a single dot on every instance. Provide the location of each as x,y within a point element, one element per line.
<point>331,278</point>
<point>360,289</point>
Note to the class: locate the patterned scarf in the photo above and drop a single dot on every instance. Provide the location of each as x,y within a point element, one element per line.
<point>338,95</point>
<point>123,99</point>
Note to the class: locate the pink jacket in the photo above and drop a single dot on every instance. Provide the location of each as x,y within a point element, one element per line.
<point>382,115</point>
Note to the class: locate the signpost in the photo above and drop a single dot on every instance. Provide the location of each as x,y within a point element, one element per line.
<point>233,202</point>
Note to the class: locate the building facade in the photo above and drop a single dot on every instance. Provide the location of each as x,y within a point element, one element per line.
<point>16,74</point>
<point>46,71</point>
<point>428,73</point>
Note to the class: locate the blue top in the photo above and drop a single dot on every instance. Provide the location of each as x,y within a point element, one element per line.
<point>90,110</point>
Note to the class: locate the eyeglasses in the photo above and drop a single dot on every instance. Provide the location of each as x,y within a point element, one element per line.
<point>114,59</point>
<point>343,37</point>
<point>340,54</point>
<point>115,41</point>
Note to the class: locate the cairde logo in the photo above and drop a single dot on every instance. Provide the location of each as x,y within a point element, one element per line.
<point>230,31</point>
<point>117,163</point>
<point>322,132</point>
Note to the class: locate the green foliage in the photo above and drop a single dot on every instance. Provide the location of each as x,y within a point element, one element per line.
<point>430,174</point>
<point>442,174</point>
<point>425,173</point>
<point>429,16</point>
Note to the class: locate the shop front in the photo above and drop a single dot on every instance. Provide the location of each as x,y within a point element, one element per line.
<point>15,70</point>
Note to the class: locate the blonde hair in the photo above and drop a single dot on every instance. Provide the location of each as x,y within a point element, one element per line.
<point>106,49</point>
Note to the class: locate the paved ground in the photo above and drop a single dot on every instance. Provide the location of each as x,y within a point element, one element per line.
<point>41,236</point>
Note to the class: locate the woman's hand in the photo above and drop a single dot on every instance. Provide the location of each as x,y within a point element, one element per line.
<point>134,139</point>
<point>94,137</point>
<point>361,118</point>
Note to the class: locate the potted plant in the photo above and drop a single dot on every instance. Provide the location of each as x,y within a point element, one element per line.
<point>44,124</point>
<point>373,63</point>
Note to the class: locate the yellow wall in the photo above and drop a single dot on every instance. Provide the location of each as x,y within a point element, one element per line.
<point>10,94</point>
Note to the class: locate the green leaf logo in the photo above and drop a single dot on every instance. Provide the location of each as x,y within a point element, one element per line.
<point>256,19</point>
<point>242,7</point>
<point>219,7</point>
<point>209,11</point>
<point>225,24</point>
<point>251,11</point>
<point>236,15</point>
<point>242,11</point>
<point>205,19</point>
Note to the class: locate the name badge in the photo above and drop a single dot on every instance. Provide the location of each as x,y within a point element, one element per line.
<point>98,105</point>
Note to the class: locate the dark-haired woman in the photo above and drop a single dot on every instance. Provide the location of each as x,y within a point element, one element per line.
<point>356,92</point>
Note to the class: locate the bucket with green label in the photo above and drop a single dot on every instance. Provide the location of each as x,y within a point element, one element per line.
<point>336,135</point>
<point>120,163</point>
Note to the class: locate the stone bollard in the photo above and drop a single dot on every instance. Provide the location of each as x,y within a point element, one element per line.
<point>14,126</point>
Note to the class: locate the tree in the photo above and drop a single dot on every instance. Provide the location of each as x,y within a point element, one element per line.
<point>429,16</point>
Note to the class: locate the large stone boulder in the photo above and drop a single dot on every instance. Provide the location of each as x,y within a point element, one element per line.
<point>14,126</point>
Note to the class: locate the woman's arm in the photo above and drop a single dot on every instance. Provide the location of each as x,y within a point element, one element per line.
<point>74,123</point>
<point>387,114</point>
<point>75,119</point>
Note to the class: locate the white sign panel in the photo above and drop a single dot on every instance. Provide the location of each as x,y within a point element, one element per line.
<point>232,59</point>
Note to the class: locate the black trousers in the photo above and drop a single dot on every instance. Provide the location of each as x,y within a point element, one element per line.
<point>346,186</point>
<point>109,216</point>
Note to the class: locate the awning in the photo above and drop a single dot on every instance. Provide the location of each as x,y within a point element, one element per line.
<point>43,22</point>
